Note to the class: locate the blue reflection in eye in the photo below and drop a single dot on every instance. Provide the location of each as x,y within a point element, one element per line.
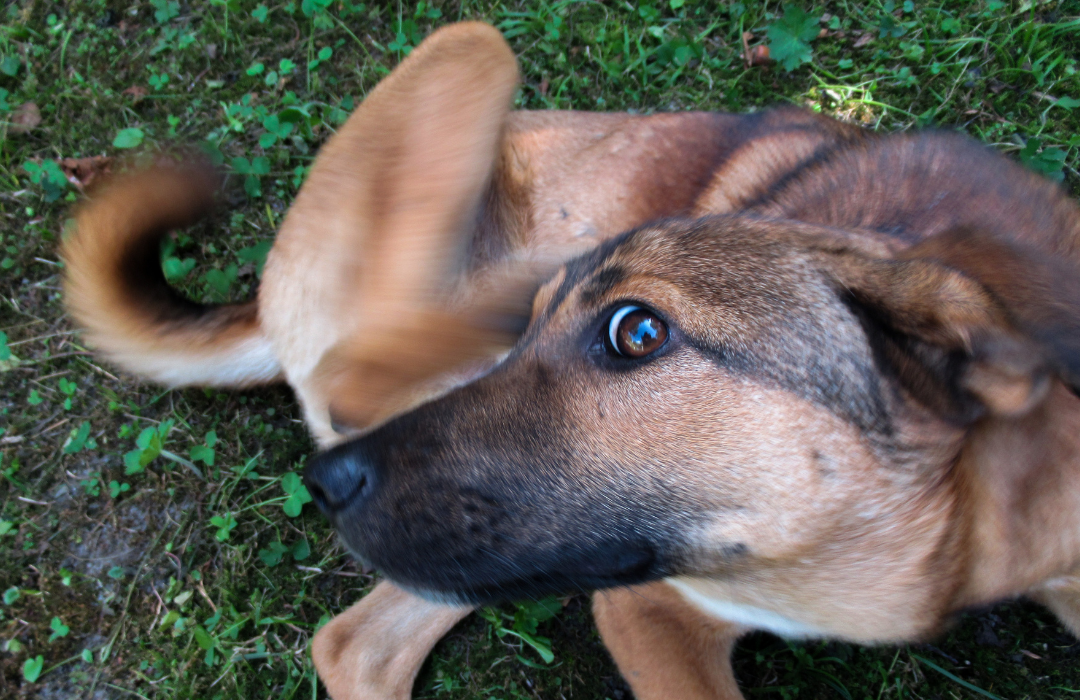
<point>647,327</point>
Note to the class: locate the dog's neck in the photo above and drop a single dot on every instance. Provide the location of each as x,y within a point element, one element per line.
<point>1020,497</point>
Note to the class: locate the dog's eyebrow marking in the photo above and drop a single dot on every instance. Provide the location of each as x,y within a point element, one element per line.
<point>577,271</point>
<point>602,283</point>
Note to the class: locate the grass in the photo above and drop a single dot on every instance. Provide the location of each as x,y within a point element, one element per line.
<point>157,544</point>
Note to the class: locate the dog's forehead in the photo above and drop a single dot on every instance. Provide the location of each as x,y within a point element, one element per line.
<point>723,259</point>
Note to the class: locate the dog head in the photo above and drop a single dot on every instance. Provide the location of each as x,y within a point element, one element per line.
<point>733,399</point>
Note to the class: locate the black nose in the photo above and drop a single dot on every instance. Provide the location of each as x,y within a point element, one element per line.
<point>339,478</point>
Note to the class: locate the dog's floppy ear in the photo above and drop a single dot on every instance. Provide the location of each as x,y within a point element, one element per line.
<point>405,177</point>
<point>970,323</point>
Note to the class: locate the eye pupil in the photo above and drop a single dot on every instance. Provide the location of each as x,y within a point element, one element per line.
<point>635,332</point>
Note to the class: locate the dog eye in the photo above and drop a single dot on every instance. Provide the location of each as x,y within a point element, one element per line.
<point>635,332</point>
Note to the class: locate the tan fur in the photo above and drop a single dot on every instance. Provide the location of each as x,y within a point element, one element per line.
<point>664,646</point>
<point>1022,492</point>
<point>1015,504</point>
<point>352,664</point>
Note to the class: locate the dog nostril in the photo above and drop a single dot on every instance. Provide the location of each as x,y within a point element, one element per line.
<point>337,479</point>
<point>319,496</point>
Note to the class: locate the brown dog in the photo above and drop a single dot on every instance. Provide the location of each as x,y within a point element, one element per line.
<point>852,428</point>
<point>433,167</point>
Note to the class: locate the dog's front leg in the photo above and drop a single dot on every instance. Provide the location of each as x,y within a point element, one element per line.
<point>1062,596</point>
<point>373,650</point>
<point>664,647</point>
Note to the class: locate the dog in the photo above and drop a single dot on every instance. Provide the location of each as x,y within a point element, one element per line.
<point>847,411</point>
<point>397,273</point>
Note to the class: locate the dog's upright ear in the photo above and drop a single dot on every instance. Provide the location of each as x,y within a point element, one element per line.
<point>971,324</point>
<point>417,156</point>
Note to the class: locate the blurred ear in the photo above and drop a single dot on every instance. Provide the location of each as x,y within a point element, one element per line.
<point>423,351</point>
<point>420,150</point>
<point>405,176</point>
<point>970,324</point>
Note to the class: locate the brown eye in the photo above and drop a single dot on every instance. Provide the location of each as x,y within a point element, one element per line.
<point>636,332</point>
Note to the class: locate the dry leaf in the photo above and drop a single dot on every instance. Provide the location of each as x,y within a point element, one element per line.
<point>755,55</point>
<point>759,56</point>
<point>863,40</point>
<point>82,172</point>
<point>136,91</point>
<point>25,118</point>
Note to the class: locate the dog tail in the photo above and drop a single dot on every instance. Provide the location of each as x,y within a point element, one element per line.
<point>114,286</point>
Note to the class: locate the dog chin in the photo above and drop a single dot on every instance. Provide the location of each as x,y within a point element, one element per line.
<point>493,595</point>
<point>471,597</point>
<point>642,567</point>
<point>365,563</point>
<point>451,598</point>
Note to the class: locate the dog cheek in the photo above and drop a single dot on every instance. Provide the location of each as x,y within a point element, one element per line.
<point>772,499</point>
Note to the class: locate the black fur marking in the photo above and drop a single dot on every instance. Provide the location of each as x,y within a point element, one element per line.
<point>601,283</point>
<point>929,373</point>
<point>819,158</point>
<point>734,550</point>
<point>576,270</point>
<point>852,391</point>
